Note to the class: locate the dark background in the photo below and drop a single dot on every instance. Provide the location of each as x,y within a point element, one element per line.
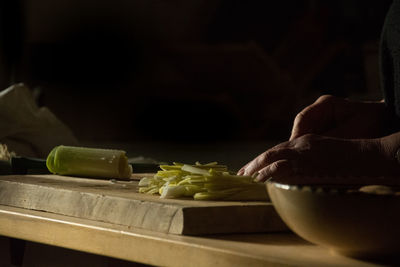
<point>189,71</point>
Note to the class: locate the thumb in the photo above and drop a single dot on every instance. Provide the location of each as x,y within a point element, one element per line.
<point>314,119</point>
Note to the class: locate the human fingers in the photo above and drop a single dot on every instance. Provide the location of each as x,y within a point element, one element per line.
<point>277,169</point>
<point>241,171</point>
<point>314,118</point>
<point>267,158</point>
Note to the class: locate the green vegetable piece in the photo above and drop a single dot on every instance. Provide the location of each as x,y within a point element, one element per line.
<point>195,170</point>
<point>89,162</point>
<point>173,191</point>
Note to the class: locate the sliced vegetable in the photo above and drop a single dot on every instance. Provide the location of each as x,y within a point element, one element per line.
<point>89,162</point>
<point>202,182</point>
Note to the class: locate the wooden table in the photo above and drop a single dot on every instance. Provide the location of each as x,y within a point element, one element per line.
<point>144,246</point>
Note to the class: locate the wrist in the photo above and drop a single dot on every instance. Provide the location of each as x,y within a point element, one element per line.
<point>390,120</point>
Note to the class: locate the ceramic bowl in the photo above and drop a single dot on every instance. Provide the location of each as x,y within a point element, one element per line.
<point>340,216</point>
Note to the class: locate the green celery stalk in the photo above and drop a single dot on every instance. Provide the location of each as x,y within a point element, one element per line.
<point>89,162</point>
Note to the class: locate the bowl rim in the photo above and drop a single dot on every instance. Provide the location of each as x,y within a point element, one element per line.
<point>333,188</point>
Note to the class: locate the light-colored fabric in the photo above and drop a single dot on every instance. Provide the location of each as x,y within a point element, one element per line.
<point>27,129</point>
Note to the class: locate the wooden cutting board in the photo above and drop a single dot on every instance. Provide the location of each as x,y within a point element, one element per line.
<point>120,203</point>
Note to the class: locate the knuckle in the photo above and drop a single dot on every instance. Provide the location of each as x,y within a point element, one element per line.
<point>260,159</point>
<point>306,140</point>
<point>326,98</point>
<point>275,166</point>
<point>299,117</point>
<point>280,167</point>
<point>299,122</point>
<point>266,156</point>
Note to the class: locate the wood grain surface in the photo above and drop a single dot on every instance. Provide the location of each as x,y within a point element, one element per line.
<point>162,249</point>
<point>120,203</point>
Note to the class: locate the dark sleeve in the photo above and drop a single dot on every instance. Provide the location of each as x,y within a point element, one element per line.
<point>390,62</point>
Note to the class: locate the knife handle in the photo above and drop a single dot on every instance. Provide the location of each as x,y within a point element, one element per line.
<point>26,165</point>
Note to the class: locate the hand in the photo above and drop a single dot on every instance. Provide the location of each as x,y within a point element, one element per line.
<point>338,117</point>
<point>320,155</point>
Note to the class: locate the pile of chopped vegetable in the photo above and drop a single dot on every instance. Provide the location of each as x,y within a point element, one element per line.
<point>202,182</point>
